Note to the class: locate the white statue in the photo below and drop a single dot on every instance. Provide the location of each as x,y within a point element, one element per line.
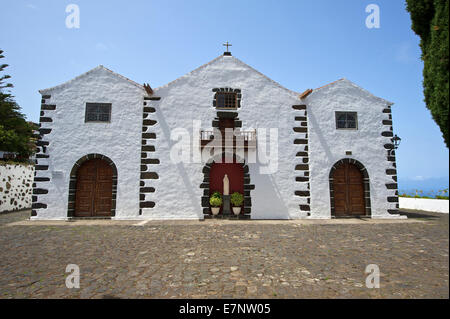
<point>226,185</point>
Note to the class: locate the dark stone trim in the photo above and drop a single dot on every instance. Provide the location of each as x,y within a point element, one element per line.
<point>41,167</point>
<point>301,154</point>
<point>40,191</point>
<point>387,110</point>
<point>227,115</point>
<point>145,162</point>
<point>146,204</point>
<point>391,171</point>
<point>73,182</point>
<point>148,148</point>
<point>366,183</point>
<point>387,122</point>
<point>149,135</point>
<point>43,131</point>
<point>46,96</point>
<point>391,185</point>
<point>149,161</point>
<point>392,199</point>
<point>42,179</point>
<point>149,109</point>
<point>152,98</point>
<point>45,119</point>
<point>149,122</point>
<point>387,134</point>
<point>42,143</point>
<point>48,107</point>
<point>149,175</point>
<point>227,90</point>
<point>38,205</point>
<point>301,129</point>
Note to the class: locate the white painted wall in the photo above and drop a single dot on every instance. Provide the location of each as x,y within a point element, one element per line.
<point>425,204</point>
<point>71,138</point>
<point>15,186</point>
<point>264,104</point>
<point>327,145</point>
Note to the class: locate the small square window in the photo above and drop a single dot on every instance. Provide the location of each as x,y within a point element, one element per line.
<point>346,120</point>
<point>98,112</point>
<point>226,100</point>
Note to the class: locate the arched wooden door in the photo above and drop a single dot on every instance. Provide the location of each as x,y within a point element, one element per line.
<point>93,197</point>
<point>348,188</point>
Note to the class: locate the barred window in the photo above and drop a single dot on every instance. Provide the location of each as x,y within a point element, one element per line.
<point>226,100</point>
<point>346,120</point>
<point>98,112</point>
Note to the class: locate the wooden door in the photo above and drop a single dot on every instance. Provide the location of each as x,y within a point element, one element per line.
<point>348,186</point>
<point>93,195</point>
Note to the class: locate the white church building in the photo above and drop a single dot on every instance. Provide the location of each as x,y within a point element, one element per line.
<point>113,148</point>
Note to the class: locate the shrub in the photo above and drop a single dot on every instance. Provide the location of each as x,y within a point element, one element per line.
<point>216,194</point>
<point>237,199</point>
<point>215,201</point>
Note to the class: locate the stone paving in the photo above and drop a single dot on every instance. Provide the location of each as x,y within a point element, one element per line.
<point>219,259</point>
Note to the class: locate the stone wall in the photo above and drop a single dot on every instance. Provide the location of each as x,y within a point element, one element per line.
<point>16,182</point>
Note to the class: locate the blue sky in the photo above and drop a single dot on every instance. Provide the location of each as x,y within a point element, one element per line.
<point>300,44</point>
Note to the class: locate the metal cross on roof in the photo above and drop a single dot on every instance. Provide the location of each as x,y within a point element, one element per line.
<point>227,45</point>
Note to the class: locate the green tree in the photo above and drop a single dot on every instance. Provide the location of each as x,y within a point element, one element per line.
<point>16,134</point>
<point>430,23</point>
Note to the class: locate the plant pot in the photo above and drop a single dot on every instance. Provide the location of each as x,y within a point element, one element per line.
<point>236,210</point>
<point>215,210</point>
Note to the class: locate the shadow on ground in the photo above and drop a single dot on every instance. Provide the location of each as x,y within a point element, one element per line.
<point>423,215</point>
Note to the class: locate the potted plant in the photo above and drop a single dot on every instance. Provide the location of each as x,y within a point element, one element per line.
<point>215,201</point>
<point>236,200</point>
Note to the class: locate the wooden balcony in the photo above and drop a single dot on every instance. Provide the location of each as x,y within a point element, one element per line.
<point>242,139</point>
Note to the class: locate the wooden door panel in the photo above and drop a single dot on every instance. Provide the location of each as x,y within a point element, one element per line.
<point>94,189</point>
<point>84,198</point>
<point>348,188</point>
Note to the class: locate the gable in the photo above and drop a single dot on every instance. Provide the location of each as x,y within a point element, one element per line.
<point>95,74</point>
<point>344,89</point>
<point>222,71</point>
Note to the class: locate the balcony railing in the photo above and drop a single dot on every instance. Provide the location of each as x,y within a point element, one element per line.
<point>241,138</point>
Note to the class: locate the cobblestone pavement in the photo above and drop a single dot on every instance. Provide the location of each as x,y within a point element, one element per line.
<point>225,260</point>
